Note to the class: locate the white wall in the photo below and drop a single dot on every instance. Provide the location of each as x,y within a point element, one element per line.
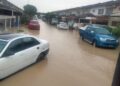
<point>96,11</point>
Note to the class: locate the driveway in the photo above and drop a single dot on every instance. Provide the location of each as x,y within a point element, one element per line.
<point>70,62</point>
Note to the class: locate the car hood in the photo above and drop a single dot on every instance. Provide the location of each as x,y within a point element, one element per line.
<point>110,36</point>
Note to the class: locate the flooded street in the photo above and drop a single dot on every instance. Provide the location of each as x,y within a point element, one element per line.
<point>70,62</point>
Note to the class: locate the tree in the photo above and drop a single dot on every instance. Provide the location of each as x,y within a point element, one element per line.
<point>30,10</point>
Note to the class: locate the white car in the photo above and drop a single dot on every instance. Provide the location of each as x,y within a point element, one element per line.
<point>18,51</point>
<point>63,25</point>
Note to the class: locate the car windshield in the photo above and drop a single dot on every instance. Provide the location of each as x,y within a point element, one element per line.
<point>104,26</point>
<point>2,45</point>
<point>102,31</point>
<point>64,24</point>
<point>34,22</point>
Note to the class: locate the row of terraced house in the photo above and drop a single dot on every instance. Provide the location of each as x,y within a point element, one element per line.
<point>102,13</point>
<point>9,15</point>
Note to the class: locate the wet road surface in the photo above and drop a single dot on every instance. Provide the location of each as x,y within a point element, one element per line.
<point>70,62</point>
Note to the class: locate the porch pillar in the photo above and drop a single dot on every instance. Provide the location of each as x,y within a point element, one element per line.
<point>5,24</point>
<point>90,21</point>
<point>18,22</point>
<point>10,23</point>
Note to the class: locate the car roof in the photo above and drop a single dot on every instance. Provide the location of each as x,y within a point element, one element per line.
<point>98,25</point>
<point>33,20</point>
<point>9,36</point>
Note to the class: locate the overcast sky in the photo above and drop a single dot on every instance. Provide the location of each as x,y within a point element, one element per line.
<point>52,5</point>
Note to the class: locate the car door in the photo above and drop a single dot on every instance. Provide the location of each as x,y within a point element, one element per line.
<point>12,59</point>
<point>86,34</point>
<point>90,34</point>
<point>33,48</point>
<point>18,55</point>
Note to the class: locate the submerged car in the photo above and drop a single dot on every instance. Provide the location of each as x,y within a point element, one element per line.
<point>34,25</point>
<point>62,25</point>
<point>98,36</point>
<point>18,51</point>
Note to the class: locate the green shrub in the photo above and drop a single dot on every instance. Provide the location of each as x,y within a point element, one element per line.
<point>116,31</point>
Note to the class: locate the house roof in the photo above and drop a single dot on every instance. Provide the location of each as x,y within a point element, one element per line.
<point>109,3</point>
<point>6,5</point>
<point>9,36</point>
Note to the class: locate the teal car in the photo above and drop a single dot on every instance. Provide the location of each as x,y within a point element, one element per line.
<point>99,36</point>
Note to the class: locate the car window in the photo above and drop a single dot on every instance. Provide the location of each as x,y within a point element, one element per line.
<point>21,44</point>
<point>29,42</point>
<point>34,22</point>
<point>2,45</point>
<point>102,31</point>
<point>16,46</point>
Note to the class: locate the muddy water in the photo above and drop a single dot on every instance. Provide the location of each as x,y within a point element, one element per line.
<point>71,62</point>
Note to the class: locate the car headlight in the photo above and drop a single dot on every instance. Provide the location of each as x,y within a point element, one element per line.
<point>103,39</point>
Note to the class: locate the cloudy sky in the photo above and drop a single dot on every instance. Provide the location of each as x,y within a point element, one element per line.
<point>53,5</point>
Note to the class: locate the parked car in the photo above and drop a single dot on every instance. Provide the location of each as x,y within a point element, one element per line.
<point>18,51</point>
<point>62,25</point>
<point>54,21</point>
<point>34,25</point>
<point>98,36</point>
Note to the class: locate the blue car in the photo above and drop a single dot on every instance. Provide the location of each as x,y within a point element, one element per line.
<point>98,36</point>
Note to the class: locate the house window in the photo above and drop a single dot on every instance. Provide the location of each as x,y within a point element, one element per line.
<point>93,10</point>
<point>115,23</point>
<point>109,11</point>
<point>100,11</point>
<point>1,2</point>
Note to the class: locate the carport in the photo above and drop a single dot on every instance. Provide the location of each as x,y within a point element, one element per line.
<point>9,15</point>
<point>5,20</point>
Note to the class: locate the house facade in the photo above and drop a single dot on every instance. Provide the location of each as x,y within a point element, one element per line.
<point>115,16</point>
<point>9,15</point>
<point>100,12</point>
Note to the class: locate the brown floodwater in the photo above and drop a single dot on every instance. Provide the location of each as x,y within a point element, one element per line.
<point>70,62</point>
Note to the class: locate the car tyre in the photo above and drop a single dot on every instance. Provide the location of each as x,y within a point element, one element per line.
<point>82,37</point>
<point>40,57</point>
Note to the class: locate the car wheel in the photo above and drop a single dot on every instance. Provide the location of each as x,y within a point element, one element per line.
<point>40,57</point>
<point>82,37</point>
